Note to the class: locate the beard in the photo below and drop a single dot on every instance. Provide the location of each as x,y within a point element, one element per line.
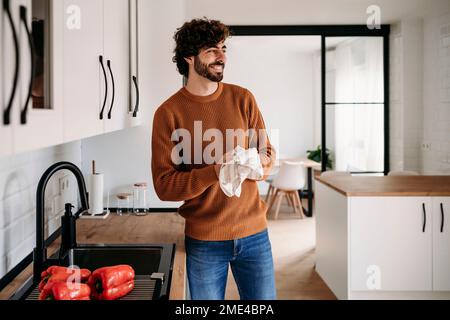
<point>204,70</point>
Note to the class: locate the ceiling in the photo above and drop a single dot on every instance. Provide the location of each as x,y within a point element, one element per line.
<point>285,12</point>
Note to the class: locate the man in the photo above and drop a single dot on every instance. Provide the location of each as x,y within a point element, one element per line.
<point>220,231</point>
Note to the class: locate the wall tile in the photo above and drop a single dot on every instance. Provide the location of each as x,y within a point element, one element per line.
<point>19,177</point>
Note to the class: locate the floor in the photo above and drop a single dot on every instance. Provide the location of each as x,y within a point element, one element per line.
<point>293,247</point>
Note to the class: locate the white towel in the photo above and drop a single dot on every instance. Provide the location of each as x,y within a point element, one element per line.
<point>245,164</point>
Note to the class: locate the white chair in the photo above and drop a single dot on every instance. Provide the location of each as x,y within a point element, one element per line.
<point>271,190</point>
<point>402,173</point>
<point>273,174</point>
<point>335,173</point>
<point>289,180</point>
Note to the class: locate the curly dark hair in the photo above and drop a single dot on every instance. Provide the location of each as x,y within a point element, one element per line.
<point>194,36</point>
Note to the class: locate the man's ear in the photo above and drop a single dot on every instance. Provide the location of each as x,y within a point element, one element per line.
<point>189,60</point>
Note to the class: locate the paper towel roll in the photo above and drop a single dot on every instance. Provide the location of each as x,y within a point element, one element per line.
<point>96,194</point>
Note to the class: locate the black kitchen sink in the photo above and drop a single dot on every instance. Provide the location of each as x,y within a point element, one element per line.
<point>152,262</point>
<point>146,260</point>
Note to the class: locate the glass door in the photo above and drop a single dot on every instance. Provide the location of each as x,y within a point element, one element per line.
<point>40,93</point>
<point>354,104</point>
<point>38,121</point>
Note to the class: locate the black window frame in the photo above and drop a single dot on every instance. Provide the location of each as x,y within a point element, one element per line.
<point>327,31</point>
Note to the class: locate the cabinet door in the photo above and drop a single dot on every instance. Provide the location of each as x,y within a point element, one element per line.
<point>38,120</point>
<point>81,72</point>
<point>441,244</point>
<point>9,22</point>
<point>391,243</point>
<point>117,54</point>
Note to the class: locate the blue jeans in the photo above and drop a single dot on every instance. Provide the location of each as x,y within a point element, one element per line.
<point>250,260</point>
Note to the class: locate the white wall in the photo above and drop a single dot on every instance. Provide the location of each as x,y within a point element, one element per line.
<point>19,177</point>
<point>420,95</point>
<point>396,99</point>
<point>280,75</point>
<point>436,115</point>
<point>412,31</point>
<point>406,107</point>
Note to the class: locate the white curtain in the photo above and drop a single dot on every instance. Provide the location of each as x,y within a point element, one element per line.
<point>359,128</point>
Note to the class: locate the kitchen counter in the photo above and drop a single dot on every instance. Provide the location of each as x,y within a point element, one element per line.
<point>351,186</point>
<point>384,237</point>
<point>156,228</point>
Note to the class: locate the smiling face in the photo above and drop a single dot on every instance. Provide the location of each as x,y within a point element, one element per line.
<point>210,62</point>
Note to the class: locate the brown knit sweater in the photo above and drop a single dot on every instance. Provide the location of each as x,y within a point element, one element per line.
<point>210,215</point>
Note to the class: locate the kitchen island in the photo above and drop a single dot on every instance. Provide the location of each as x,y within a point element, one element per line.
<point>155,228</point>
<point>384,237</point>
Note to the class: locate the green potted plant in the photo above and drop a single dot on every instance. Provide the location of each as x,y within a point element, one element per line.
<point>316,155</point>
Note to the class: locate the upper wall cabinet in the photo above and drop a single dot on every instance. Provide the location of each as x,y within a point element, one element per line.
<point>38,116</point>
<point>82,70</point>
<point>116,35</point>
<point>120,51</point>
<point>68,70</point>
<point>96,71</point>
<point>30,118</point>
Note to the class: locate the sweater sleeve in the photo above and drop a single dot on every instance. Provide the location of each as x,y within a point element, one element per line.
<point>170,183</point>
<point>260,139</point>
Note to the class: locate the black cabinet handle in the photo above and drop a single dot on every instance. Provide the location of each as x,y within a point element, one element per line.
<point>424,218</point>
<point>23,18</point>
<point>442,218</point>
<point>7,112</point>
<point>136,108</point>
<point>106,87</point>
<point>113,90</point>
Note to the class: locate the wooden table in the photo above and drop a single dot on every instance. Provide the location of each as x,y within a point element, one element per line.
<point>310,166</point>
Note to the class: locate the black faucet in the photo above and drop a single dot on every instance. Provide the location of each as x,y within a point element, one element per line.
<point>68,221</point>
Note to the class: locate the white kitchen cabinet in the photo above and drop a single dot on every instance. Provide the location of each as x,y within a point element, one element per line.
<point>40,126</point>
<point>117,53</point>
<point>25,127</point>
<point>96,67</point>
<point>441,244</point>
<point>391,243</point>
<point>81,73</point>
<point>120,39</point>
<point>86,44</point>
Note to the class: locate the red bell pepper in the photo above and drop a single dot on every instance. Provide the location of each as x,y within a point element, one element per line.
<point>54,270</point>
<point>65,291</point>
<point>111,283</point>
<point>46,288</point>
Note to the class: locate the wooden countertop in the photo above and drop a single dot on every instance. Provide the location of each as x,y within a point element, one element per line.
<point>352,186</point>
<point>157,228</point>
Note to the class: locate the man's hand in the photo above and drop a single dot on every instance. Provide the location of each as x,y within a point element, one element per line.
<point>226,158</point>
